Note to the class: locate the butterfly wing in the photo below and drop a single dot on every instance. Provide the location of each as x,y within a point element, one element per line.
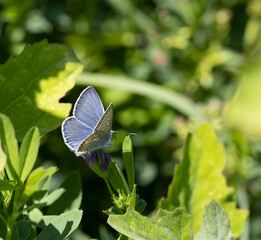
<point>101,135</point>
<point>74,132</point>
<point>88,108</point>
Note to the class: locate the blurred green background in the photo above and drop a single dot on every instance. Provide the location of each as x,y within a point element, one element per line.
<point>166,65</point>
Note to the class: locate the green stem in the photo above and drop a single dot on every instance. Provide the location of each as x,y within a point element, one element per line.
<point>244,204</point>
<point>154,91</point>
<point>108,186</point>
<point>10,224</point>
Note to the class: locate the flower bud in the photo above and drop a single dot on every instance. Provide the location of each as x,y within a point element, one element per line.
<point>99,162</point>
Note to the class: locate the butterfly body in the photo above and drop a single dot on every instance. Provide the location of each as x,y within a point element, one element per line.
<point>90,127</point>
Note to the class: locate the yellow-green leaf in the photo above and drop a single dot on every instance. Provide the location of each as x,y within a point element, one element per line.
<point>10,147</point>
<point>3,158</point>
<point>244,111</point>
<point>199,178</point>
<point>28,152</point>
<point>167,225</point>
<point>32,84</point>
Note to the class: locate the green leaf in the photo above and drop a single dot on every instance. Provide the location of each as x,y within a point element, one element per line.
<point>32,84</point>
<point>3,220</point>
<point>117,179</point>
<point>28,152</point>
<point>35,216</point>
<point>167,225</point>
<point>215,224</point>
<point>179,191</point>
<point>244,112</point>
<point>128,161</point>
<point>37,179</point>
<point>199,178</point>
<point>72,196</point>
<point>22,229</point>
<point>52,197</point>
<point>10,146</point>
<point>3,158</point>
<point>133,197</point>
<point>6,185</point>
<point>156,92</point>
<point>60,227</point>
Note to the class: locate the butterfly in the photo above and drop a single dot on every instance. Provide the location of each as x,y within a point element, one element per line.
<point>90,127</point>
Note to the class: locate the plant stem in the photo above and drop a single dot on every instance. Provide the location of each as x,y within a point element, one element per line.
<point>162,94</point>
<point>108,186</point>
<point>10,225</point>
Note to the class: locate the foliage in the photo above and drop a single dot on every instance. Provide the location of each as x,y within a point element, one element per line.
<point>174,225</point>
<point>26,196</point>
<point>34,82</point>
<point>199,179</point>
<point>166,66</point>
<point>24,192</point>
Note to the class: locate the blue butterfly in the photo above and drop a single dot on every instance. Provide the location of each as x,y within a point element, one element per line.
<point>89,128</point>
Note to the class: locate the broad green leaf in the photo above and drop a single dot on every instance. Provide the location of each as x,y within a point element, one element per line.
<point>52,197</point>
<point>117,179</point>
<point>156,92</point>
<point>6,185</point>
<point>127,155</point>
<point>22,229</point>
<point>72,196</point>
<point>199,178</point>
<point>10,146</point>
<point>32,84</point>
<point>35,216</point>
<point>167,225</point>
<point>36,179</point>
<point>179,191</point>
<point>28,152</point>
<point>244,111</point>
<point>60,227</point>
<point>3,158</point>
<point>215,224</point>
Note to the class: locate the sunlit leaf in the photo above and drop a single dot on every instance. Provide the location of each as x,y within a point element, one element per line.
<point>244,111</point>
<point>156,92</point>
<point>52,197</point>
<point>28,152</point>
<point>199,178</point>
<point>32,84</point>
<point>59,227</point>
<point>71,197</point>
<point>167,225</point>
<point>37,178</point>
<point>35,215</point>
<point>127,155</point>
<point>3,158</point>
<point>215,224</point>
<point>10,146</point>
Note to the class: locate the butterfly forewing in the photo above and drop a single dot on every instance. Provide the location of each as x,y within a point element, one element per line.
<point>88,108</point>
<point>101,134</point>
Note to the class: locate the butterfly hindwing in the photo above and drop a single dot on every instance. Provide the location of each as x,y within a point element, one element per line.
<point>74,132</point>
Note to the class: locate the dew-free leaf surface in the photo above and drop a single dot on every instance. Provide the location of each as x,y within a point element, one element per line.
<point>32,84</point>
<point>167,225</point>
<point>215,224</point>
<point>199,178</point>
